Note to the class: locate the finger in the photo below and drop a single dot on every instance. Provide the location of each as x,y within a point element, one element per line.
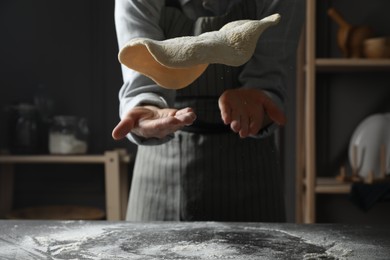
<point>273,111</point>
<point>244,123</point>
<point>162,127</point>
<point>254,126</point>
<point>128,123</point>
<point>186,118</point>
<point>225,111</point>
<point>184,111</point>
<point>235,124</point>
<point>123,128</point>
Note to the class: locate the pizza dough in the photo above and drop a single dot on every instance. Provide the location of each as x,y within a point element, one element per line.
<point>175,63</point>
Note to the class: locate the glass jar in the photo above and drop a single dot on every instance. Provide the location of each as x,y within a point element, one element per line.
<point>25,130</point>
<point>68,135</point>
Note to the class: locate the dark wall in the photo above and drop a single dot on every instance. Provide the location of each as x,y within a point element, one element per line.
<point>70,48</point>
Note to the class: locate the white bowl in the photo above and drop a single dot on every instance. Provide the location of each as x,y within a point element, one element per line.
<point>368,137</point>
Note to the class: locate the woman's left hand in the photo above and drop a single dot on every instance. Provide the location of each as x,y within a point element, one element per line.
<point>248,110</point>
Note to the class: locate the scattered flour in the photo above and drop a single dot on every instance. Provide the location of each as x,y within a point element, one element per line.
<point>199,241</point>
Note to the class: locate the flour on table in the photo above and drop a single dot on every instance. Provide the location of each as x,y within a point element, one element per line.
<point>163,241</point>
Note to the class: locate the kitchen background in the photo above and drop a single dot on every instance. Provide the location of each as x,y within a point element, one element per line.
<point>65,54</point>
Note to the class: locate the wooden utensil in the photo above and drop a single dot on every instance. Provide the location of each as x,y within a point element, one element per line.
<point>350,37</point>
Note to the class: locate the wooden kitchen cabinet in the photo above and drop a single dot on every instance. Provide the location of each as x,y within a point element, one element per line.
<point>115,167</point>
<point>308,185</point>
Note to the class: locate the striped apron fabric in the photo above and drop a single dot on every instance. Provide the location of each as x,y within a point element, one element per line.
<point>207,172</point>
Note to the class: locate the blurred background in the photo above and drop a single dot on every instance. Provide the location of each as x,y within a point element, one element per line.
<point>59,58</point>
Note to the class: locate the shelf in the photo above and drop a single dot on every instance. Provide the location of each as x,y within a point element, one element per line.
<point>342,65</point>
<point>328,185</point>
<point>58,158</point>
<point>331,186</point>
<point>115,171</point>
<point>308,184</point>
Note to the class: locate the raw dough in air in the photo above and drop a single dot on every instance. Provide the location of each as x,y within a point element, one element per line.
<point>175,63</point>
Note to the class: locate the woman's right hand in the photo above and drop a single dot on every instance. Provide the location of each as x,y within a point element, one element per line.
<point>151,121</point>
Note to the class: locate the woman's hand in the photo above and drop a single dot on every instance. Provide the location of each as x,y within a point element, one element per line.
<point>248,110</point>
<point>151,121</point>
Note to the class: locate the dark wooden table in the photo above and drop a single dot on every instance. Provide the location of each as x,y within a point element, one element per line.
<point>189,240</point>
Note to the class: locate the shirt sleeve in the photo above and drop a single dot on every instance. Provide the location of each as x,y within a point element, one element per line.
<point>274,60</point>
<point>134,19</point>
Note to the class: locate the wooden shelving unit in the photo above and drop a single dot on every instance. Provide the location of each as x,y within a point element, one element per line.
<point>115,167</point>
<point>331,186</point>
<point>308,185</point>
<point>353,65</point>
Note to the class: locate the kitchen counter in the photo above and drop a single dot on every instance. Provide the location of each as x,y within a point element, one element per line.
<point>20,239</point>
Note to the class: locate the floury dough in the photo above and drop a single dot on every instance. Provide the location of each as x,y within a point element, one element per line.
<point>175,63</point>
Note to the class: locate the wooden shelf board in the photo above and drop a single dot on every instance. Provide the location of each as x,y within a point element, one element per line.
<point>331,186</point>
<point>52,158</point>
<point>115,177</point>
<point>58,158</point>
<point>337,64</point>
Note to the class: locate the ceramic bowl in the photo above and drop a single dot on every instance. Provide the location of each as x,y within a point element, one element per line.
<point>367,139</point>
<point>377,48</point>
